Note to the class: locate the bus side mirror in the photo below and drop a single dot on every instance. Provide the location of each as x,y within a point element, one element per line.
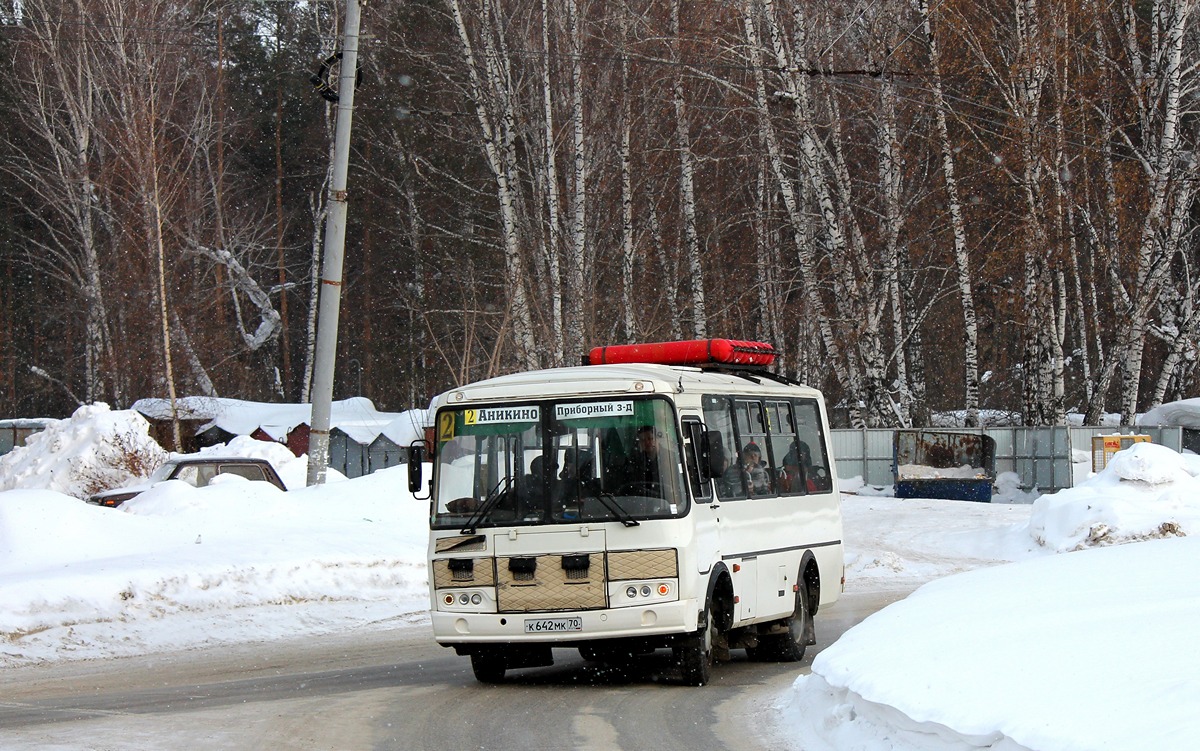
<point>416,458</point>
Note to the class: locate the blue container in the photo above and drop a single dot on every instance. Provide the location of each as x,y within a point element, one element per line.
<point>950,489</point>
<point>934,450</point>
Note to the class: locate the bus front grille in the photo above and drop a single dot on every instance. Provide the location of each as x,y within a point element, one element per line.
<point>544,583</point>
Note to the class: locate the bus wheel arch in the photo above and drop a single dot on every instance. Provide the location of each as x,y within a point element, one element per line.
<point>697,652</point>
<point>810,586</point>
<point>720,596</point>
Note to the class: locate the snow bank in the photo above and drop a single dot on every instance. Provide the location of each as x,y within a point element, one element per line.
<point>1147,491</point>
<point>1020,657</point>
<point>94,449</point>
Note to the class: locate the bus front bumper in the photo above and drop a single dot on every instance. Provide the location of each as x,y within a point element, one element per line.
<point>659,619</point>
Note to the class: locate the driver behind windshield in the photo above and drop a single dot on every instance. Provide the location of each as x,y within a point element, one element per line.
<point>643,468</point>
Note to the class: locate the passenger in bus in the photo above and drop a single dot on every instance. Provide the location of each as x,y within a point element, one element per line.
<point>798,474</point>
<point>541,480</point>
<point>642,469</point>
<point>729,481</point>
<point>755,472</point>
<point>577,466</point>
<point>575,482</point>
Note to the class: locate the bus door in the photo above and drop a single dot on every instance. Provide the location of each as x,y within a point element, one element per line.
<point>745,494</point>
<point>706,510</point>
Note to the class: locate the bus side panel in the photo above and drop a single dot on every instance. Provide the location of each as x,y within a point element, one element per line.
<point>768,536</point>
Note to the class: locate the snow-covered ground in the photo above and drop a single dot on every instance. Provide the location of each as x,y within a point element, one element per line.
<point>1080,642</point>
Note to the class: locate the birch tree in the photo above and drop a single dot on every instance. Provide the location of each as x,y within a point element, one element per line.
<point>491,92</point>
<point>687,188</point>
<point>1172,79</point>
<point>958,225</point>
<point>793,200</point>
<point>57,89</point>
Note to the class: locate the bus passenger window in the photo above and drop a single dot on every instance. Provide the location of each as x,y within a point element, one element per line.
<point>759,472</point>
<point>718,417</point>
<point>810,452</point>
<point>783,443</point>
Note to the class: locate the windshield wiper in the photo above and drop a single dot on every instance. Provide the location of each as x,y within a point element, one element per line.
<point>489,503</point>
<point>610,503</point>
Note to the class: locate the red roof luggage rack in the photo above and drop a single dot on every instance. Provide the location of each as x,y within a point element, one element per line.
<point>698,352</point>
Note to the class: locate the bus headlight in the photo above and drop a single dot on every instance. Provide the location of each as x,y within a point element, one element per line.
<point>629,594</point>
<point>467,600</point>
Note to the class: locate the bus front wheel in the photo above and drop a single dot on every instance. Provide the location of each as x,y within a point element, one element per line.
<point>695,653</point>
<point>488,666</point>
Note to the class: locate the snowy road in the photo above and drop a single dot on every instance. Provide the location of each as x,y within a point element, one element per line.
<point>391,689</point>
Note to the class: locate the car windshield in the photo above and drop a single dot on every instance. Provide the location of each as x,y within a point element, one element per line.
<point>555,462</point>
<point>163,472</point>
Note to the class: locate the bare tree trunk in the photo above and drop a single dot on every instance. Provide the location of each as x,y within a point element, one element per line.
<point>785,183</point>
<point>669,266</point>
<point>152,209</point>
<point>958,226</point>
<point>890,180</point>
<point>555,249</point>
<point>1170,18</point>
<point>489,94</point>
<point>687,190</point>
<point>628,249</point>
<point>579,191</point>
<point>57,85</point>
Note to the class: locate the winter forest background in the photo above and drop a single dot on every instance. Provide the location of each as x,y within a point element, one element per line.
<point>924,204</point>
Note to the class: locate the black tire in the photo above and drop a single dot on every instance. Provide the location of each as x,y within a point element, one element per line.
<point>789,647</point>
<point>488,667</point>
<point>695,653</point>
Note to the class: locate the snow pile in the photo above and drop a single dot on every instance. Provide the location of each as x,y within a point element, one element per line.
<point>1007,489</point>
<point>95,449</point>
<point>180,566</point>
<point>1020,657</point>
<point>1184,413</point>
<point>1147,491</point>
<point>80,580</point>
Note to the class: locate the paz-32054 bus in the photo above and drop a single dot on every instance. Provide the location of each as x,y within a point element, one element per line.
<point>675,495</point>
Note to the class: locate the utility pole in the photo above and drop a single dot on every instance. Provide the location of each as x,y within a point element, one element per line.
<point>334,250</point>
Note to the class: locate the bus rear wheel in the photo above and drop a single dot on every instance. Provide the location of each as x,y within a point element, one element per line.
<point>791,645</point>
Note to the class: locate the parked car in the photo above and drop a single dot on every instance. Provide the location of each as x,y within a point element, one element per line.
<point>197,471</point>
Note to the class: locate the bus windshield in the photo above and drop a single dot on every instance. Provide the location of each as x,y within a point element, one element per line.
<point>558,462</point>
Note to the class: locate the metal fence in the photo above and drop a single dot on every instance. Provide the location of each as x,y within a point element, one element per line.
<point>1041,457</point>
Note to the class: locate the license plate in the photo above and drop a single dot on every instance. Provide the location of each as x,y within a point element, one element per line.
<point>552,625</point>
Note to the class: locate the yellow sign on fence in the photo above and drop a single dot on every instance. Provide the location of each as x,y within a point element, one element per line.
<point>1104,446</point>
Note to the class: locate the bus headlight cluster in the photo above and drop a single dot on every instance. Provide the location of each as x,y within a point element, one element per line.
<point>644,592</point>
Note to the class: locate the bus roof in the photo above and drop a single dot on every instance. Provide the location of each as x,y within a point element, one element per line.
<point>633,378</point>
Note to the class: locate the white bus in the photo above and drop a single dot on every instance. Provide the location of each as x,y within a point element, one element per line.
<point>625,507</point>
